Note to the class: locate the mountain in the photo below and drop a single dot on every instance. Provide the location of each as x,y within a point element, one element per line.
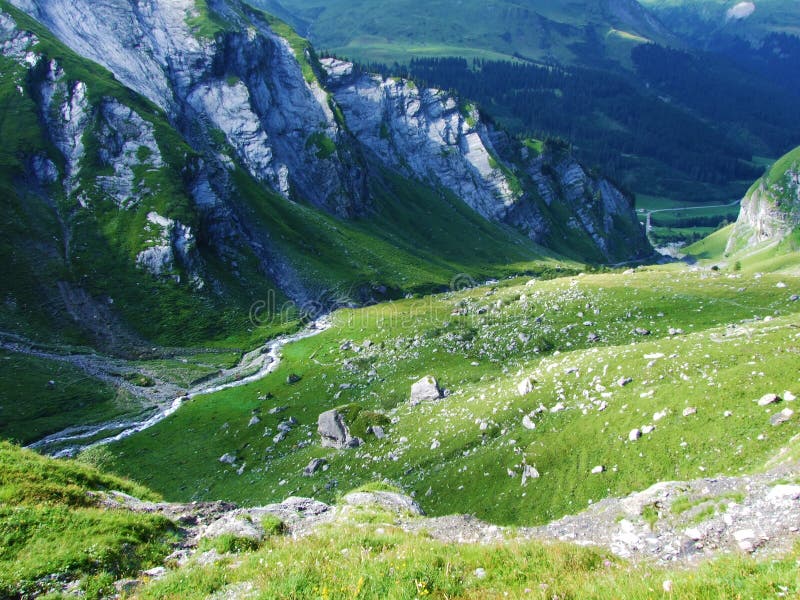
<point>715,18</point>
<point>168,168</point>
<point>771,209</point>
<point>661,107</point>
<point>566,31</point>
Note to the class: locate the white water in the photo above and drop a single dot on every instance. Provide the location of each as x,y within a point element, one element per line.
<point>72,435</point>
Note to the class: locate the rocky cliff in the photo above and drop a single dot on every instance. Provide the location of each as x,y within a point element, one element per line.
<point>429,135</point>
<point>771,209</point>
<point>201,151</point>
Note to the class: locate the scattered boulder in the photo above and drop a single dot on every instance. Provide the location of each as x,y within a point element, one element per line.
<point>426,389</point>
<point>641,331</point>
<point>782,417</point>
<point>236,525</point>
<point>334,432</point>
<point>635,435</point>
<point>292,379</point>
<point>623,381</point>
<point>525,386</point>
<point>314,466</point>
<point>529,472</point>
<point>377,431</point>
<point>592,337</point>
<point>789,396</point>
<point>659,415</point>
<point>227,459</point>
<point>254,421</point>
<point>598,469</point>
<point>398,503</point>
<point>648,429</point>
<point>768,399</point>
<point>527,422</point>
<point>689,411</point>
<point>794,298</point>
<point>745,539</point>
<point>560,407</point>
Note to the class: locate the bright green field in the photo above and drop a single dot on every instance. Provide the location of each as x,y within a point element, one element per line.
<point>440,450</point>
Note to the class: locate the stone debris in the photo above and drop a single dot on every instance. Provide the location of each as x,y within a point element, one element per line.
<point>529,472</point>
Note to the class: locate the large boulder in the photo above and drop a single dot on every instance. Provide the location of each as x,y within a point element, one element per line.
<point>426,389</point>
<point>334,432</point>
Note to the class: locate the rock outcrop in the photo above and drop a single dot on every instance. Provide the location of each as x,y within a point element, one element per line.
<point>431,136</point>
<point>771,209</point>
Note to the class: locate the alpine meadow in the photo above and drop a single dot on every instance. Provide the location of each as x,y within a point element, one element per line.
<point>392,300</point>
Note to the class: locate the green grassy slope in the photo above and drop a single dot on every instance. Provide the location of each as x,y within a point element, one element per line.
<point>371,559</point>
<point>398,30</point>
<point>770,16</point>
<point>51,532</point>
<point>440,450</point>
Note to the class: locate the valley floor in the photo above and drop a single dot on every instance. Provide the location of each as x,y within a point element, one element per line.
<point>560,401</point>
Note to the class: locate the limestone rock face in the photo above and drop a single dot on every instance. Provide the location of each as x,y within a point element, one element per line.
<point>771,209</point>
<point>246,82</point>
<point>429,135</point>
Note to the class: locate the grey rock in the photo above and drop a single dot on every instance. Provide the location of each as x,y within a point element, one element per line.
<point>392,501</point>
<point>314,466</point>
<point>227,459</point>
<point>782,417</point>
<point>768,399</point>
<point>334,432</point>
<point>236,525</point>
<point>425,390</point>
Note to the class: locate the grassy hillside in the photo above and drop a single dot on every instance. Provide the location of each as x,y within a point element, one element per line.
<point>55,539</point>
<point>399,30</point>
<point>369,558</point>
<point>480,344</point>
<point>770,16</point>
<point>51,532</point>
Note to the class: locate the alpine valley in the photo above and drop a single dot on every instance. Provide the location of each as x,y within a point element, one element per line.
<point>462,319</point>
